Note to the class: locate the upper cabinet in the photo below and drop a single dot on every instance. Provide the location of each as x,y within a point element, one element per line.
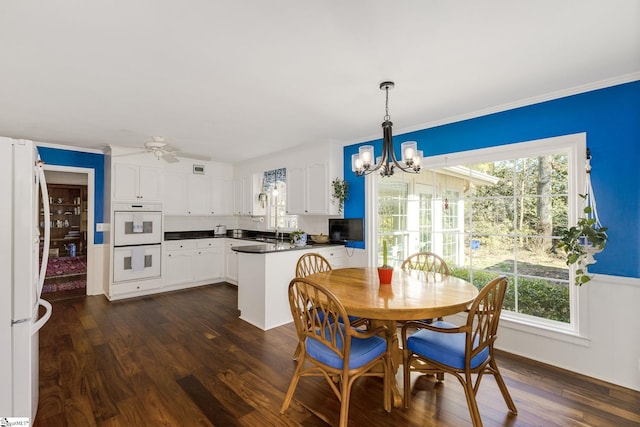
<point>308,190</point>
<point>135,183</point>
<point>175,193</point>
<point>222,195</point>
<point>198,194</point>
<point>245,195</point>
<point>296,191</point>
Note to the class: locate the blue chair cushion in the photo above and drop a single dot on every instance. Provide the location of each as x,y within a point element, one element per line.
<point>447,349</point>
<point>362,351</point>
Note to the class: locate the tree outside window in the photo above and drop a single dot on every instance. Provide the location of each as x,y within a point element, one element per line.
<point>487,219</point>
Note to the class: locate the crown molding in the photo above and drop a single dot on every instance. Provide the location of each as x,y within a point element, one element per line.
<point>601,84</point>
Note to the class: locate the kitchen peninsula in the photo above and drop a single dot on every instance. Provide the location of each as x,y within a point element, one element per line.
<point>264,273</point>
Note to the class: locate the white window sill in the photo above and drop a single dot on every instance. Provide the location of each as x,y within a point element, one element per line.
<point>544,330</point>
<point>529,326</point>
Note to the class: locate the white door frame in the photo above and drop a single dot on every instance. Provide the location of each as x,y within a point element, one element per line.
<point>94,287</point>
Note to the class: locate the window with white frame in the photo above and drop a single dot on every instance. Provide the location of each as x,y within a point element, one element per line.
<point>493,212</point>
<point>275,198</point>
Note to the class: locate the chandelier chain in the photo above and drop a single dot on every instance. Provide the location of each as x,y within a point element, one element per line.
<point>386,104</point>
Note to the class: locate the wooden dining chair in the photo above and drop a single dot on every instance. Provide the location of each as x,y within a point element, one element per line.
<point>462,351</point>
<point>332,348</point>
<point>426,262</point>
<point>311,263</point>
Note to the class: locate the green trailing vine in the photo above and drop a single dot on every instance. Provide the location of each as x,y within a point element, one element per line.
<point>580,241</point>
<point>340,192</point>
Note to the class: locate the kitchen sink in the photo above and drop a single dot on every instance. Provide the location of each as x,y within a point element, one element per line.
<point>266,239</point>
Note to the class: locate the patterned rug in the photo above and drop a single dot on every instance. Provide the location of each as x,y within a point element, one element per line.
<point>64,286</point>
<point>63,266</point>
<point>75,270</point>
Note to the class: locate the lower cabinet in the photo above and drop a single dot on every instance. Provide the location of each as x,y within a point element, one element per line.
<point>208,263</point>
<point>336,255</point>
<point>178,264</point>
<point>117,289</point>
<point>231,271</point>
<point>194,261</point>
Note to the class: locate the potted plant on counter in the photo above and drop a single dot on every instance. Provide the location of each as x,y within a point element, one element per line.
<point>385,272</point>
<point>298,238</point>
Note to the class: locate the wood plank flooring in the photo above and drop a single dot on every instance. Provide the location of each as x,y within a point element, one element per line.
<point>186,359</point>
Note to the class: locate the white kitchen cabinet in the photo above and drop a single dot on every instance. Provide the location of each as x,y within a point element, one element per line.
<point>336,255</point>
<point>238,200</point>
<point>245,196</point>
<point>208,264</point>
<point>137,183</point>
<point>178,265</point>
<point>196,262</point>
<point>175,193</point>
<point>199,195</point>
<point>221,196</point>
<point>231,258</point>
<point>295,191</point>
<point>308,190</point>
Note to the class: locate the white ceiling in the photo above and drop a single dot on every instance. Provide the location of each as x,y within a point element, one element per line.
<point>237,79</point>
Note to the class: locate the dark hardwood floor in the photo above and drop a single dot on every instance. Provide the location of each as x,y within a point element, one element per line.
<point>186,359</point>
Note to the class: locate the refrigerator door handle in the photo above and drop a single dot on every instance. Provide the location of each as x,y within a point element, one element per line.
<point>47,232</point>
<point>45,317</point>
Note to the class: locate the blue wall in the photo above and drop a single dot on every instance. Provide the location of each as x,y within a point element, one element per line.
<point>611,119</point>
<point>54,156</point>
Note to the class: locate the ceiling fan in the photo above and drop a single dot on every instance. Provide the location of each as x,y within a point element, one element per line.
<point>168,153</point>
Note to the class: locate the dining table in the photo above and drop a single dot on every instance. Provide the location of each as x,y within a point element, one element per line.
<point>411,295</point>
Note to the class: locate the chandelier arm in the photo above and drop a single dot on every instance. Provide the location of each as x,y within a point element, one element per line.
<point>383,160</point>
<point>407,169</point>
<point>388,161</point>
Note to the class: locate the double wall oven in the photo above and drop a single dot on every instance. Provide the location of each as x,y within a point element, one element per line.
<point>137,242</point>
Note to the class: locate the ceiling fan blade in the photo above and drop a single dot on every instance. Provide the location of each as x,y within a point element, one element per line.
<point>170,158</point>
<point>130,154</point>
<point>193,156</point>
<point>170,148</point>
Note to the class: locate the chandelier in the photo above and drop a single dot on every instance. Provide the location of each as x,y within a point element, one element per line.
<point>361,163</point>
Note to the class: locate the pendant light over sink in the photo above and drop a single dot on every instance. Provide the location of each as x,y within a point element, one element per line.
<point>361,163</point>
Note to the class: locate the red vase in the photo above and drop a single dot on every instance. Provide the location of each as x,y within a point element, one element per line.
<point>385,275</point>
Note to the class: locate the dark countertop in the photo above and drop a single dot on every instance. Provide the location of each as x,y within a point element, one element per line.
<point>210,234</point>
<point>185,235</point>
<point>266,248</point>
<point>265,240</point>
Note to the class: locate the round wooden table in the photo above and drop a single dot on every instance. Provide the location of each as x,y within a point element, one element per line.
<point>409,296</point>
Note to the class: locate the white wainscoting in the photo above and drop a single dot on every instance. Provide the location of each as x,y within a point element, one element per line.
<point>610,348</point>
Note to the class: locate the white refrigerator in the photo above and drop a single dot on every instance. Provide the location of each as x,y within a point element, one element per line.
<point>21,276</point>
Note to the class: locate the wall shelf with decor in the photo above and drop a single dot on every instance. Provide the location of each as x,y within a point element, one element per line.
<point>68,219</point>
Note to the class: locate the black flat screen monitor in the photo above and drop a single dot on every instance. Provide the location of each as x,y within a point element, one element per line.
<point>347,229</point>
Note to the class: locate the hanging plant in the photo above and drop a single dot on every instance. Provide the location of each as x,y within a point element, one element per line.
<point>581,242</point>
<point>588,237</point>
<point>340,192</point>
